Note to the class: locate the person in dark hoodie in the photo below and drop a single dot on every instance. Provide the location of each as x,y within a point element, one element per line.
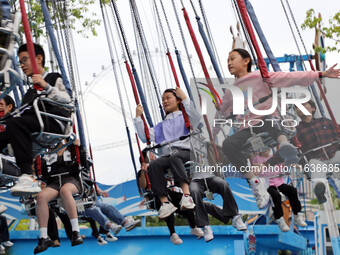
<point>19,130</point>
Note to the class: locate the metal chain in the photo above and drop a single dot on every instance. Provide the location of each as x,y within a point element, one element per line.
<point>297,28</point>
<point>122,32</point>
<point>293,34</point>
<point>118,33</point>
<point>184,41</point>
<point>161,25</point>
<point>167,22</point>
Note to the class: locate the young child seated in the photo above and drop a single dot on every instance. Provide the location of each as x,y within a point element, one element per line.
<point>277,185</point>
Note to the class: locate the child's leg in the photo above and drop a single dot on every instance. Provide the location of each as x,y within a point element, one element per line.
<point>276,197</point>
<point>170,222</point>
<point>292,195</point>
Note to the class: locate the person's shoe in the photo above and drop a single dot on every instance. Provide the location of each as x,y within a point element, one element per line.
<point>197,232</point>
<point>208,233</point>
<point>43,245</point>
<point>260,192</point>
<point>101,241</point>
<point>2,208</point>
<point>187,203</point>
<point>238,223</point>
<point>8,244</point>
<point>289,153</point>
<point>110,238</point>
<point>25,186</point>
<point>55,244</point>
<point>174,238</point>
<point>283,225</point>
<point>115,229</point>
<point>298,220</point>
<point>76,238</point>
<point>131,224</point>
<point>319,190</point>
<point>2,250</point>
<point>166,210</point>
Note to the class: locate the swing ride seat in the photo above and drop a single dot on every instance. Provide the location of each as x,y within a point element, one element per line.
<point>46,142</point>
<point>8,39</point>
<point>149,200</point>
<point>8,173</point>
<point>86,198</point>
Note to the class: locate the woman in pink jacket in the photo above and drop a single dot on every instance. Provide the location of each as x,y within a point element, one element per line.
<point>239,64</point>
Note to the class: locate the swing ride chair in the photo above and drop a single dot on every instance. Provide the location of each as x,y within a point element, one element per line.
<point>329,174</point>
<point>45,142</point>
<point>86,198</point>
<point>197,145</point>
<point>8,39</point>
<point>7,180</point>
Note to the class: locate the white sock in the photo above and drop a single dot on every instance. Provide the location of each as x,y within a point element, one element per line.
<point>74,224</point>
<point>43,233</point>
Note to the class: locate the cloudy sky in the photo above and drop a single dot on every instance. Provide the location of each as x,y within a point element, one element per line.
<point>105,123</point>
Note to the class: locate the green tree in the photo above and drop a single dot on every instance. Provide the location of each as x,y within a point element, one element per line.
<point>66,13</point>
<point>330,29</point>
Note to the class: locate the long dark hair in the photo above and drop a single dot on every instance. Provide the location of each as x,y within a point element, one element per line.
<point>244,54</point>
<point>9,101</point>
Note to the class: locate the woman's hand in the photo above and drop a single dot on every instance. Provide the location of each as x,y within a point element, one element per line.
<point>139,110</point>
<point>180,94</point>
<point>331,72</point>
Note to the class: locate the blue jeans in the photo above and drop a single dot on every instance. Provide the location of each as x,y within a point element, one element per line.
<point>111,212</point>
<point>101,211</point>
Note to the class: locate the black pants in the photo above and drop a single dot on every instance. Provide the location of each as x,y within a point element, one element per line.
<point>290,192</point>
<point>215,185</point>
<point>95,232</point>
<point>4,235</point>
<point>19,134</point>
<point>216,212</point>
<point>173,162</point>
<point>232,145</point>
<point>175,199</point>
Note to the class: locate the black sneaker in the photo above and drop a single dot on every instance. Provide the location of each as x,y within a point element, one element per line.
<point>43,245</point>
<point>76,238</point>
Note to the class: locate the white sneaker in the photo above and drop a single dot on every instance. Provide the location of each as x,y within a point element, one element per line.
<point>283,225</point>
<point>110,238</point>
<point>174,238</point>
<point>197,232</point>
<point>238,223</point>
<point>187,203</point>
<point>131,224</point>
<point>115,229</point>
<point>298,220</point>
<point>25,186</point>
<point>2,208</point>
<point>260,192</point>
<point>101,241</point>
<point>2,250</point>
<point>8,244</point>
<point>208,233</point>
<point>166,210</point>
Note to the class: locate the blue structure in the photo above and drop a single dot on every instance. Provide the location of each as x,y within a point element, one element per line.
<point>155,240</point>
